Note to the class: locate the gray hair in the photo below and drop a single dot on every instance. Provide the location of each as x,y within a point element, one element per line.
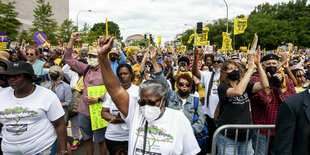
<point>155,85</point>
<point>56,70</point>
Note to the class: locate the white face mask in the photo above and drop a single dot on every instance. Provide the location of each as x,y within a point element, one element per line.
<point>45,71</point>
<point>151,112</point>
<point>92,61</point>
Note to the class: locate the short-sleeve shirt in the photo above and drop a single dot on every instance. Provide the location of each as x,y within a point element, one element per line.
<point>118,132</point>
<point>234,110</point>
<point>27,122</point>
<point>165,135</point>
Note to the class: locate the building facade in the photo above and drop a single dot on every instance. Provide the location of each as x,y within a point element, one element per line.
<point>60,9</point>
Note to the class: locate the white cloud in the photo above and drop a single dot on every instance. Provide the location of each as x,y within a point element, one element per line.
<point>159,17</point>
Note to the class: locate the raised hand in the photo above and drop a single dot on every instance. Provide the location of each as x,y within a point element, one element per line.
<point>75,35</point>
<point>251,64</point>
<point>284,59</point>
<point>105,45</point>
<point>257,56</point>
<point>153,52</point>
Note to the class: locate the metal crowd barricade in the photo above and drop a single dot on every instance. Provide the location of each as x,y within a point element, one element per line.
<point>237,127</point>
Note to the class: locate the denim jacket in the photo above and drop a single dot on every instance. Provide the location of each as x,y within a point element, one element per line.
<point>174,102</point>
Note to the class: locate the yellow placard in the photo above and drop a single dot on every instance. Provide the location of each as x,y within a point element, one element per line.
<point>95,109</point>
<point>226,45</point>
<point>159,40</point>
<point>3,46</point>
<point>240,25</point>
<point>202,39</point>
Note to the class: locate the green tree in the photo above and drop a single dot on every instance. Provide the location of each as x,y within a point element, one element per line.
<point>186,37</point>
<point>43,21</point>
<point>24,34</point>
<point>113,28</point>
<point>65,30</point>
<point>8,22</point>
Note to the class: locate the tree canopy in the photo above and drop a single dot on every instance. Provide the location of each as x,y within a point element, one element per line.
<point>8,22</point>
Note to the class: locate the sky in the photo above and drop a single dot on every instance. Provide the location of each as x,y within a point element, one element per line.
<point>159,17</point>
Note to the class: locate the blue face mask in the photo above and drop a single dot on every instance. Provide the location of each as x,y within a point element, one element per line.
<point>45,71</point>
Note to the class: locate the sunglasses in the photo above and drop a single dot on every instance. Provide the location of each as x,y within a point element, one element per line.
<point>300,75</point>
<point>31,54</point>
<point>151,103</point>
<point>217,61</point>
<point>183,84</point>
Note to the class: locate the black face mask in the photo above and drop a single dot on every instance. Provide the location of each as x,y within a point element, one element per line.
<point>234,75</point>
<point>113,59</point>
<point>183,93</point>
<point>271,70</point>
<point>54,76</point>
<point>148,68</point>
<point>139,59</point>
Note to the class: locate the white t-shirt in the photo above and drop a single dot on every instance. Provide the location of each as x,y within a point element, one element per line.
<point>27,127</point>
<point>169,135</point>
<point>118,132</point>
<point>214,98</point>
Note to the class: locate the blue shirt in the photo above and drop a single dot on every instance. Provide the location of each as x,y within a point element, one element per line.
<point>63,92</point>
<point>38,67</point>
<point>115,64</point>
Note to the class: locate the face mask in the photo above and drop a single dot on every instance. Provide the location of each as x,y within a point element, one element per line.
<point>148,68</point>
<point>92,61</point>
<point>113,59</point>
<point>128,63</point>
<point>45,71</point>
<point>54,76</point>
<point>271,70</point>
<point>151,112</point>
<point>234,75</point>
<point>183,93</point>
<point>139,59</point>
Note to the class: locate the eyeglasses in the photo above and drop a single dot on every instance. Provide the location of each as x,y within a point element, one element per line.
<point>151,103</point>
<point>31,54</point>
<point>181,84</point>
<point>217,61</point>
<point>300,75</point>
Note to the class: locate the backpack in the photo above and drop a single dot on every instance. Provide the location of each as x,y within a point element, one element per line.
<point>202,136</point>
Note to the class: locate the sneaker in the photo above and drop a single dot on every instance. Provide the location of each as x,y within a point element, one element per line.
<point>75,144</point>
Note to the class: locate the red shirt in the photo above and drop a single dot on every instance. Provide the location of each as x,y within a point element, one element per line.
<point>265,107</point>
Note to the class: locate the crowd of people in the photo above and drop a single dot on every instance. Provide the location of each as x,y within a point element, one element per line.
<point>157,101</point>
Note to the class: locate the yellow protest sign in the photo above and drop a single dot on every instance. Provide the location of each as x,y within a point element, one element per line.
<point>240,25</point>
<point>226,45</point>
<point>243,48</point>
<point>95,109</point>
<point>202,39</point>
<point>190,38</point>
<point>3,46</point>
<point>159,40</point>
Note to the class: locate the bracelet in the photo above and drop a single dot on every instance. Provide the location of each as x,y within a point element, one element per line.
<point>64,152</point>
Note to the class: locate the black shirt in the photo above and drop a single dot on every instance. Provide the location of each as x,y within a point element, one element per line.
<point>234,110</point>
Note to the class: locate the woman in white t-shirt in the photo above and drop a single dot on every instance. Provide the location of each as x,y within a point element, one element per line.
<point>153,128</point>
<point>117,132</point>
<point>31,117</point>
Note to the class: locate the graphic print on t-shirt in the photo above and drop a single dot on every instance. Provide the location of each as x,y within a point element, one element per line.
<point>154,137</point>
<point>240,100</point>
<point>17,114</point>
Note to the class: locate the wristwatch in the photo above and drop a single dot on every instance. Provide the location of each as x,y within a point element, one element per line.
<point>99,100</point>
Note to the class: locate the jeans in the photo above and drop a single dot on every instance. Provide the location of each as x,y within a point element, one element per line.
<point>87,133</point>
<point>75,129</point>
<point>262,142</point>
<point>230,144</point>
